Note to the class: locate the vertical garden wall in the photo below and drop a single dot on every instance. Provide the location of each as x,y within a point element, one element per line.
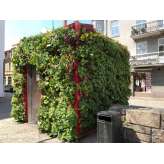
<point>80,74</point>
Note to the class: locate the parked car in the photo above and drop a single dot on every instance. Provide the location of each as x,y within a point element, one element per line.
<point>8,88</point>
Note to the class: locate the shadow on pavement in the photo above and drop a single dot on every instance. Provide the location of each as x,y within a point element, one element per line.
<point>92,138</point>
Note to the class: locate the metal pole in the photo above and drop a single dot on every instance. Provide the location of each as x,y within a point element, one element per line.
<point>106,27</point>
<point>65,23</point>
<point>52,24</point>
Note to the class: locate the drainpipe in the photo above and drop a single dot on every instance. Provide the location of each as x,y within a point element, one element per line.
<point>25,93</point>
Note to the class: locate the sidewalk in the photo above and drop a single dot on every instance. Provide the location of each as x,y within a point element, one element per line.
<point>13,132</point>
<point>92,138</point>
<point>147,102</point>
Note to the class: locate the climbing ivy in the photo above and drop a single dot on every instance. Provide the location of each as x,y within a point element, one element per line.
<point>103,70</point>
<point>17,99</point>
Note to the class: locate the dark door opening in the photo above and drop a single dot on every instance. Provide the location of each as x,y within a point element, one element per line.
<point>142,82</point>
<point>34,95</point>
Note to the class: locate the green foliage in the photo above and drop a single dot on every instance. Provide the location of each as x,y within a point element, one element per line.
<point>104,72</point>
<point>17,101</point>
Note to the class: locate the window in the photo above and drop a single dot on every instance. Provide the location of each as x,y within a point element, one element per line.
<point>160,23</point>
<point>141,24</point>
<point>9,66</point>
<point>4,80</point>
<point>9,80</point>
<point>161,44</point>
<point>141,47</point>
<point>6,66</point>
<point>5,54</point>
<point>115,29</point>
<point>100,26</point>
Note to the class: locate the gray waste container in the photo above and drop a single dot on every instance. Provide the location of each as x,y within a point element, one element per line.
<point>109,127</point>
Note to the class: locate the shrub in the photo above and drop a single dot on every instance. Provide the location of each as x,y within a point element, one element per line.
<point>102,67</point>
<point>17,98</point>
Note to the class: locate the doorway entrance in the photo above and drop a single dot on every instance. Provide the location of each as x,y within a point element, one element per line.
<point>34,95</point>
<point>142,82</point>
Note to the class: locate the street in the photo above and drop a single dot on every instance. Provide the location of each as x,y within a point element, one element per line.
<point>13,132</point>
<point>5,107</point>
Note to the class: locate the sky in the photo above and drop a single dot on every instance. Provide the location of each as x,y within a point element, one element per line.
<point>17,29</point>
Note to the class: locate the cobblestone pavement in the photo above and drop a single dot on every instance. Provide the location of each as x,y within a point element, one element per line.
<point>147,102</point>
<point>13,132</point>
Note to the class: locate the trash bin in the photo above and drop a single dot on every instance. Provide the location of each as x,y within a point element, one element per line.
<point>109,127</point>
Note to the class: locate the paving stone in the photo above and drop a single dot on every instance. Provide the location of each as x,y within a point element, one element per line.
<point>157,136</point>
<point>13,132</point>
<point>138,128</point>
<point>144,117</point>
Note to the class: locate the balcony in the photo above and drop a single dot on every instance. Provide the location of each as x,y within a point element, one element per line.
<point>147,59</point>
<point>148,29</point>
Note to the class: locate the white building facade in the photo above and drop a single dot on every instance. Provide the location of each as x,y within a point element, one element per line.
<point>118,30</point>
<point>2,42</point>
<point>145,42</point>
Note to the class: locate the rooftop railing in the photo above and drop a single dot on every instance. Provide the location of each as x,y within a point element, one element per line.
<point>148,27</point>
<point>148,59</point>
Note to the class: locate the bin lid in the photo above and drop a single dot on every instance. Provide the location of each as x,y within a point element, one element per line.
<point>108,113</point>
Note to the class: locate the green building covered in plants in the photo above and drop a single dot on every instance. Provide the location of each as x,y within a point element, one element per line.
<point>64,77</point>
